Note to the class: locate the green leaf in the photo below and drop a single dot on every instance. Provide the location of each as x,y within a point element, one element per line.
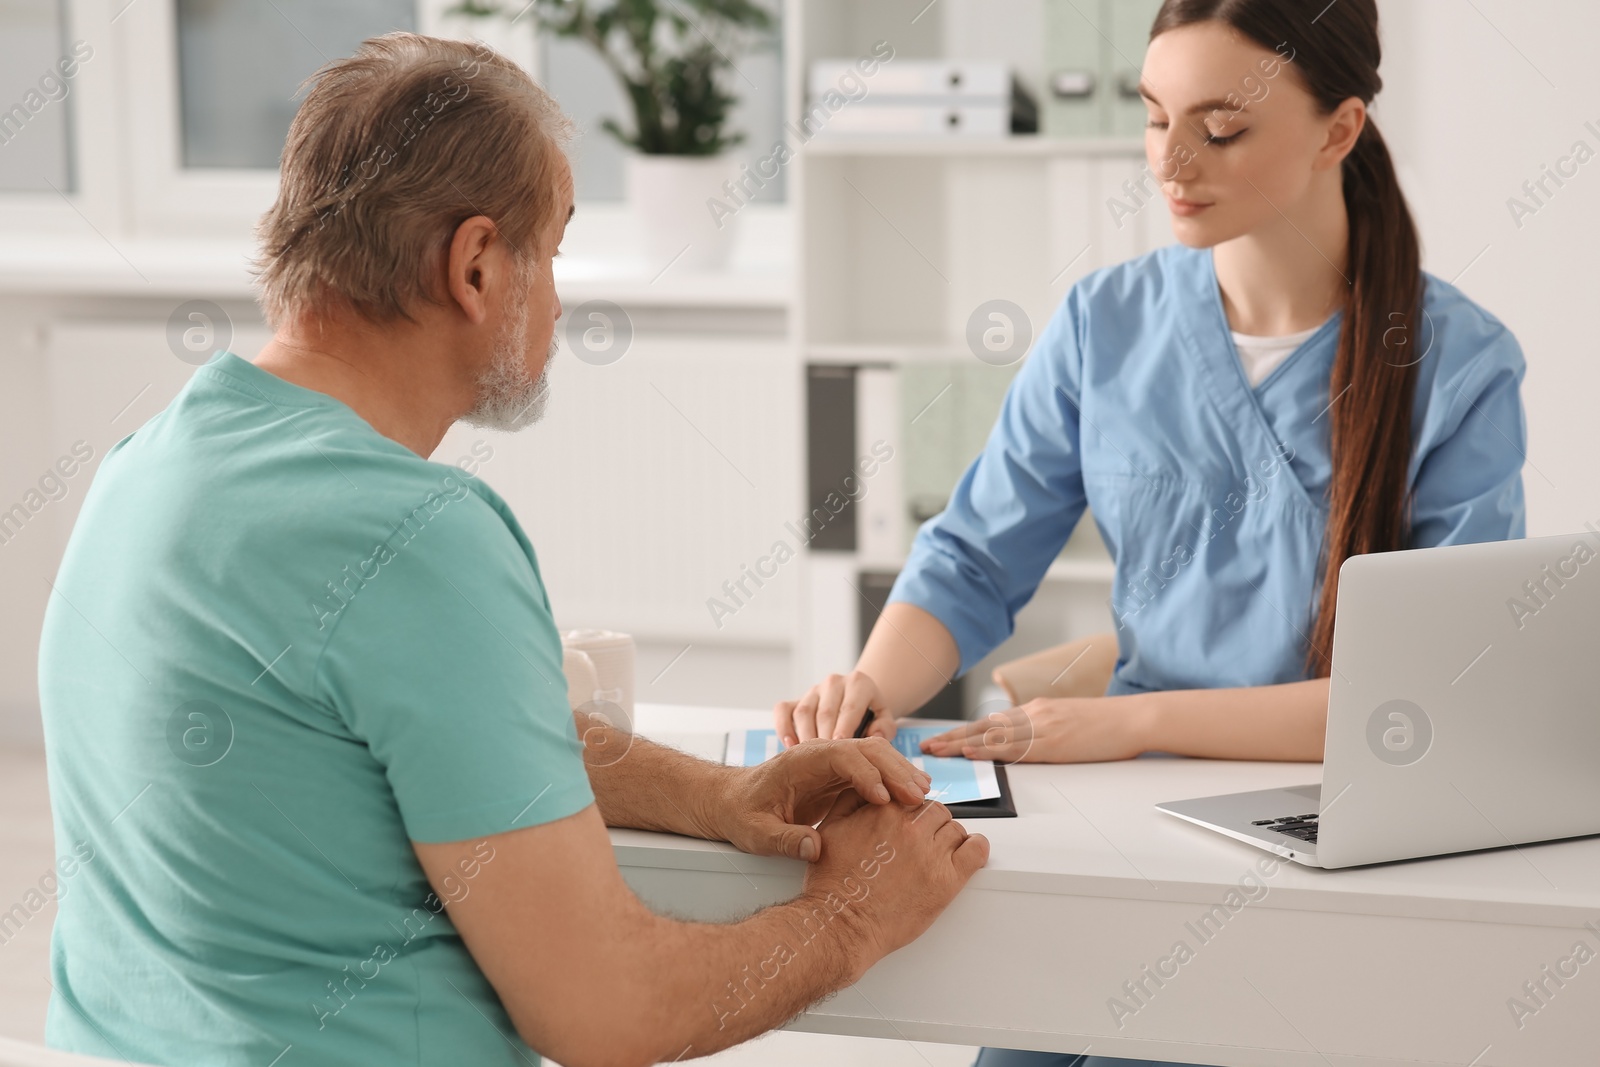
<point>671,57</point>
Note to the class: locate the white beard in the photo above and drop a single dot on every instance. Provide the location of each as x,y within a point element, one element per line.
<point>508,399</point>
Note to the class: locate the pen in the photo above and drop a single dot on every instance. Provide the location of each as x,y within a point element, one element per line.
<point>866,721</point>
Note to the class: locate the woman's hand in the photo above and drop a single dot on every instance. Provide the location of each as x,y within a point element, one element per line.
<point>1050,730</point>
<point>833,708</point>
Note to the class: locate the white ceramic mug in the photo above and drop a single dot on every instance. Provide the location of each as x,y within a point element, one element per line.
<point>599,669</point>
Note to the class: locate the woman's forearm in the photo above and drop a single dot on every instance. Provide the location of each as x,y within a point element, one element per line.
<point>910,655</point>
<point>1269,722</point>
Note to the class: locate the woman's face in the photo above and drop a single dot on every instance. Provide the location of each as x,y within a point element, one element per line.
<point>1234,137</point>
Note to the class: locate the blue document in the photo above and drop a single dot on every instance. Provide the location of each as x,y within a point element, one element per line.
<point>955,780</point>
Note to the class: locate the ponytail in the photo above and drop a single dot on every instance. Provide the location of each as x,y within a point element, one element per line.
<point>1374,379</point>
<point>1336,56</point>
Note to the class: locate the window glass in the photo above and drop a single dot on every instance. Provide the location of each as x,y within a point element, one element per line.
<point>37,70</point>
<point>241,62</point>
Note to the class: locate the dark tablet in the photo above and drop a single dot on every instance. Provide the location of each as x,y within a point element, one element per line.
<point>1000,807</point>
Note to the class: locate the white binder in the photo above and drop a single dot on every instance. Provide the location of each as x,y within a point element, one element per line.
<point>941,78</point>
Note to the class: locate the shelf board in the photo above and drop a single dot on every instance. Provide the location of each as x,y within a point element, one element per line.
<point>629,283</point>
<point>219,269</point>
<point>1024,146</point>
<point>850,354</point>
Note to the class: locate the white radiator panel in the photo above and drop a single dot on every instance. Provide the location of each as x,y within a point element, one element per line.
<point>653,481</point>
<point>635,515</point>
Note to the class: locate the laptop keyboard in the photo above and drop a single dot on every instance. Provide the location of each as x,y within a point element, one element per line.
<point>1300,827</point>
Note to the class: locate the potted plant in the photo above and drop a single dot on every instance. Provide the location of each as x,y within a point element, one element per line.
<point>672,59</point>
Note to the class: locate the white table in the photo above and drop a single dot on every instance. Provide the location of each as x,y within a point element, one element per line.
<point>1403,963</point>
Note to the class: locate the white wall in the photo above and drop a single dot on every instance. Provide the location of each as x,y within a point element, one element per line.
<point>26,440</point>
<point>1480,97</point>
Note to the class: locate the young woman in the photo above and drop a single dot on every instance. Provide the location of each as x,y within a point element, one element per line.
<point>1242,412</point>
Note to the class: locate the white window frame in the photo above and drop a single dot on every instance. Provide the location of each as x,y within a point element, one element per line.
<point>131,184</point>
<point>93,96</point>
<point>169,199</point>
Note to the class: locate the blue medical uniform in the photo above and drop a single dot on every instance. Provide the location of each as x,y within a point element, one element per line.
<point>1209,494</point>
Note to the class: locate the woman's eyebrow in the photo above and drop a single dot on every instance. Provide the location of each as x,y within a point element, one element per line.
<point>1205,106</point>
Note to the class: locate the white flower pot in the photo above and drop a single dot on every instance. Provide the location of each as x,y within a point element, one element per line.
<point>514,41</point>
<point>685,216</point>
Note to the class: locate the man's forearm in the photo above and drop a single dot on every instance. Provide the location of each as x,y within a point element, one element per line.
<point>645,786</point>
<point>759,973</point>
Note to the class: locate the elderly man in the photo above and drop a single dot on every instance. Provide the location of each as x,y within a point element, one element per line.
<point>294,675</point>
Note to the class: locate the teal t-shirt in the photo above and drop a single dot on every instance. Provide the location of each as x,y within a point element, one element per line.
<point>280,648</point>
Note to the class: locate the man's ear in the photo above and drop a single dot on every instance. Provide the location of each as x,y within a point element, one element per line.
<point>468,266</point>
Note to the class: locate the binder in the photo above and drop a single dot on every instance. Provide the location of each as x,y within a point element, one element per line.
<point>830,456</point>
<point>881,534</point>
<point>1093,52</point>
<point>919,119</point>
<point>948,80</point>
<point>1073,96</point>
<point>1130,36</point>
<point>913,97</point>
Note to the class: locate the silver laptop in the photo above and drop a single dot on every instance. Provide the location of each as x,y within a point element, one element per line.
<point>1463,710</point>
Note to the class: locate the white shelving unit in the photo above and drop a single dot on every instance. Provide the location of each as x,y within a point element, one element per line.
<point>899,240</point>
<point>1023,146</point>
<point>848,355</point>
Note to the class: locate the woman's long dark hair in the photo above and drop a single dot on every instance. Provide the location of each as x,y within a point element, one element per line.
<point>1336,54</point>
